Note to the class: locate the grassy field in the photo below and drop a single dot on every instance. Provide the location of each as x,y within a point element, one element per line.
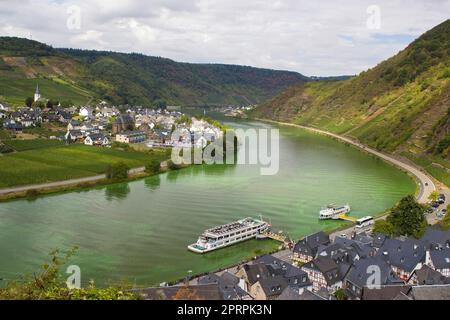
<point>65,162</point>
<point>15,91</point>
<point>435,166</point>
<point>24,145</point>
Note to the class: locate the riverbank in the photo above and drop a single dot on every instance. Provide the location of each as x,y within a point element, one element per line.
<point>125,231</point>
<point>425,182</point>
<point>32,191</point>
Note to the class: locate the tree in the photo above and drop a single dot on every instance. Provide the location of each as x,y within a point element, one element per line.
<point>66,103</point>
<point>50,104</point>
<point>29,102</point>
<point>383,227</point>
<point>153,167</point>
<point>434,196</point>
<point>47,284</point>
<point>340,294</point>
<point>407,218</point>
<point>160,104</point>
<point>39,104</point>
<point>117,171</point>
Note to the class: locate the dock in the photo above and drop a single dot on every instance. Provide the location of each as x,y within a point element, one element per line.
<point>280,237</point>
<point>347,218</point>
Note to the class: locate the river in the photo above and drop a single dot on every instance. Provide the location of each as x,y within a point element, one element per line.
<point>137,232</point>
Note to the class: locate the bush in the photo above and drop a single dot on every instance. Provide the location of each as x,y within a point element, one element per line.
<point>383,227</point>
<point>154,167</point>
<point>117,171</point>
<point>46,284</point>
<point>443,145</point>
<point>5,149</point>
<point>121,146</point>
<point>32,193</point>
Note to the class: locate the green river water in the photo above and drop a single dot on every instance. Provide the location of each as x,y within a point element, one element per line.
<point>137,232</point>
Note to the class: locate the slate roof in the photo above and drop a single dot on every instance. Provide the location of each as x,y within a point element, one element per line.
<point>308,295</point>
<point>255,272</point>
<point>310,244</point>
<point>97,136</point>
<point>75,133</point>
<point>289,293</point>
<point>428,276</point>
<point>440,256</point>
<point>389,292</point>
<point>65,115</point>
<point>363,238</point>
<point>360,272</point>
<point>403,254</point>
<point>228,285</point>
<point>329,268</point>
<point>437,292</point>
<point>292,274</point>
<point>124,119</point>
<point>273,286</point>
<point>378,240</point>
<point>338,252</point>
<point>436,236</point>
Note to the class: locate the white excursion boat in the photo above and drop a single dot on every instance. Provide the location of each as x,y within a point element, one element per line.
<point>228,234</point>
<point>333,212</point>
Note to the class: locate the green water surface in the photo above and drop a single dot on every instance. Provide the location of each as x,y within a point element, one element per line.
<point>138,232</point>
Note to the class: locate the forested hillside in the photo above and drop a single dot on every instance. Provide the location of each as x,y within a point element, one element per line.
<point>400,106</point>
<point>130,78</point>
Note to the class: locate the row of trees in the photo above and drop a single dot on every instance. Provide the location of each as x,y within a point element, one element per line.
<point>119,171</point>
<point>29,102</point>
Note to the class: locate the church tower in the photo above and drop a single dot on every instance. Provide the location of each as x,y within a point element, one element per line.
<point>37,95</point>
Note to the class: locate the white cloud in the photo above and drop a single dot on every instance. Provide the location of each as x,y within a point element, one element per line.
<point>311,37</point>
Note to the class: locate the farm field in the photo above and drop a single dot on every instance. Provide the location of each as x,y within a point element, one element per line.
<point>31,144</point>
<point>15,91</point>
<point>65,162</point>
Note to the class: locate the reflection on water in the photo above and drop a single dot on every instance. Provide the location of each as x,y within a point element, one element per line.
<point>153,183</point>
<point>118,191</point>
<point>140,230</point>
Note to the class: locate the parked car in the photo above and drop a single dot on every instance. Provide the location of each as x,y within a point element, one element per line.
<point>434,204</point>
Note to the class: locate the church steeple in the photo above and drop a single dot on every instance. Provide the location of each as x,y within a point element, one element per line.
<point>37,94</point>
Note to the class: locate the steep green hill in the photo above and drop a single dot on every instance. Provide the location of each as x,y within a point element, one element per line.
<point>400,106</point>
<point>130,78</point>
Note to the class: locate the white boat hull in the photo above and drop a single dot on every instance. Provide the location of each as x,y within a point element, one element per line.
<point>205,247</point>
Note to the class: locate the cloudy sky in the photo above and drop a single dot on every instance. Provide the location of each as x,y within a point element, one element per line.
<point>313,37</point>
